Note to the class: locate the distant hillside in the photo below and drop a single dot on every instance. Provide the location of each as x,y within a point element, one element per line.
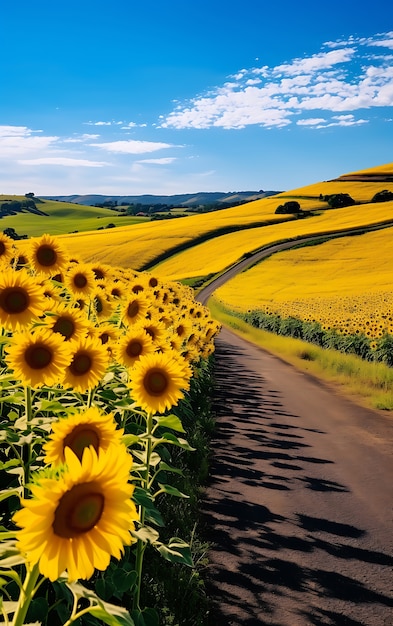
<point>185,199</point>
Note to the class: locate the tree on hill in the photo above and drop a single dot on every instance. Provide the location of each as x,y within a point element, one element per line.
<point>339,200</point>
<point>382,196</point>
<point>290,207</point>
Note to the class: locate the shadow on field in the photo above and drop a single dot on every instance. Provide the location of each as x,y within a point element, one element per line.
<point>274,561</point>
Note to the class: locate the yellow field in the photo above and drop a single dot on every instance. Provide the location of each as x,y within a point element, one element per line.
<point>216,255</point>
<point>344,284</point>
<point>134,246</point>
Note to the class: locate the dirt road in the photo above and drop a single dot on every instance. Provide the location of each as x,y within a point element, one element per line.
<point>300,503</point>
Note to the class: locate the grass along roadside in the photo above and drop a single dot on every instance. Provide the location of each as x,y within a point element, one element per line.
<point>368,383</point>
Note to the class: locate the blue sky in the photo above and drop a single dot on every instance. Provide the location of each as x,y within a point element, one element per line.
<point>124,97</point>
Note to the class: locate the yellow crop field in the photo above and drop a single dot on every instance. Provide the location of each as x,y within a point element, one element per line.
<point>133,246</point>
<point>344,284</point>
<point>215,255</point>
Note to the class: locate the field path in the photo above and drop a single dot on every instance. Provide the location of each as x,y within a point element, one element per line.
<point>300,503</point>
<point>299,507</point>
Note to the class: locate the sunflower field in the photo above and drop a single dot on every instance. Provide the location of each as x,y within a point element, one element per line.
<point>95,363</point>
<point>337,293</point>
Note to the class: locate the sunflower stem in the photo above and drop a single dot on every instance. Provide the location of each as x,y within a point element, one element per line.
<point>26,595</point>
<point>29,416</point>
<point>140,548</point>
<point>90,398</point>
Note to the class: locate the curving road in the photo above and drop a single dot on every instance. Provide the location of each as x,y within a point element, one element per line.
<point>300,503</point>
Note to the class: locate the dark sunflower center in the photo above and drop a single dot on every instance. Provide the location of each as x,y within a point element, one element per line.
<point>116,293</point>
<point>155,382</point>
<point>81,364</point>
<point>81,437</point>
<point>2,248</point>
<point>137,288</point>
<point>65,326</point>
<point>133,309</point>
<point>134,348</point>
<point>180,330</point>
<point>46,255</point>
<point>14,300</point>
<point>153,282</point>
<point>78,511</point>
<point>104,338</point>
<point>38,356</point>
<point>99,274</point>
<point>150,331</point>
<point>80,281</point>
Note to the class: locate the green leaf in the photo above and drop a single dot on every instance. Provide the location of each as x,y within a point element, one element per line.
<point>10,555</point>
<point>7,493</point>
<point>177,551</point>
<point>181,443</point>
<point>164,467</point>
<point>130,440</point>
<point>172,491</point>
<point>171,421</point>
<point>9,607</point>
<point>104,588</point>
<point>11,463</point>
<point>124,581</point>
<point>147,534</point>
<point>147,617</point>
<point>50,405</point>
<point>110,614</point>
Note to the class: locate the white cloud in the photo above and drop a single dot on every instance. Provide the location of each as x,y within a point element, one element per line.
<point>63,161</point>
<point>81,138</point>
<point>336,120</point>
<point>20,140</point>
<point>132,146</point>
<point>98,123</point>
<point>163,161</point>
<point>346,78</point>
<point>312,121</point>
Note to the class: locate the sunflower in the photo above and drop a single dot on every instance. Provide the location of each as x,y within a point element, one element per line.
<point>80,279</point>
<point>78,519</point>
<point>133,345</point>
<point>80,431</point>
<point>38,358</point>
<point>70,323</point>
<point>158,380</point>
<point>182,328</point>
<point>6,249</point>
<point>134,309</point>
<point>21,299</point>
<point>155,328</point>
<point>88,364</point>
<point>101,272</point>
<point>102,306</point>
<point>47,256</point>
<point>107,334</point>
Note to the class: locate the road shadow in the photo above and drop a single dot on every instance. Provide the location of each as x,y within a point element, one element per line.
<point>270,568</point>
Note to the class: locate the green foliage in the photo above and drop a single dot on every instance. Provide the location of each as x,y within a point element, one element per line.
<point>339,200</point>
<point>313,332</point>
<point>292,206</point>
<point>382,196</point>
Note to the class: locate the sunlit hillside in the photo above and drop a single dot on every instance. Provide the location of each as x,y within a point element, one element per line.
<point>207,243</point>
<point>217,254</point>
<point>61,217</point>
<point>137,245</point>
<point>343,283</point>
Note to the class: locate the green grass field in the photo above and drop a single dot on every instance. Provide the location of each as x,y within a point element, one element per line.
<point>62,218</point>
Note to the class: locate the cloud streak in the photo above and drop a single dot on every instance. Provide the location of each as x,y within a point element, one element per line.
<point>132,146</point>
<point>345,78</point>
